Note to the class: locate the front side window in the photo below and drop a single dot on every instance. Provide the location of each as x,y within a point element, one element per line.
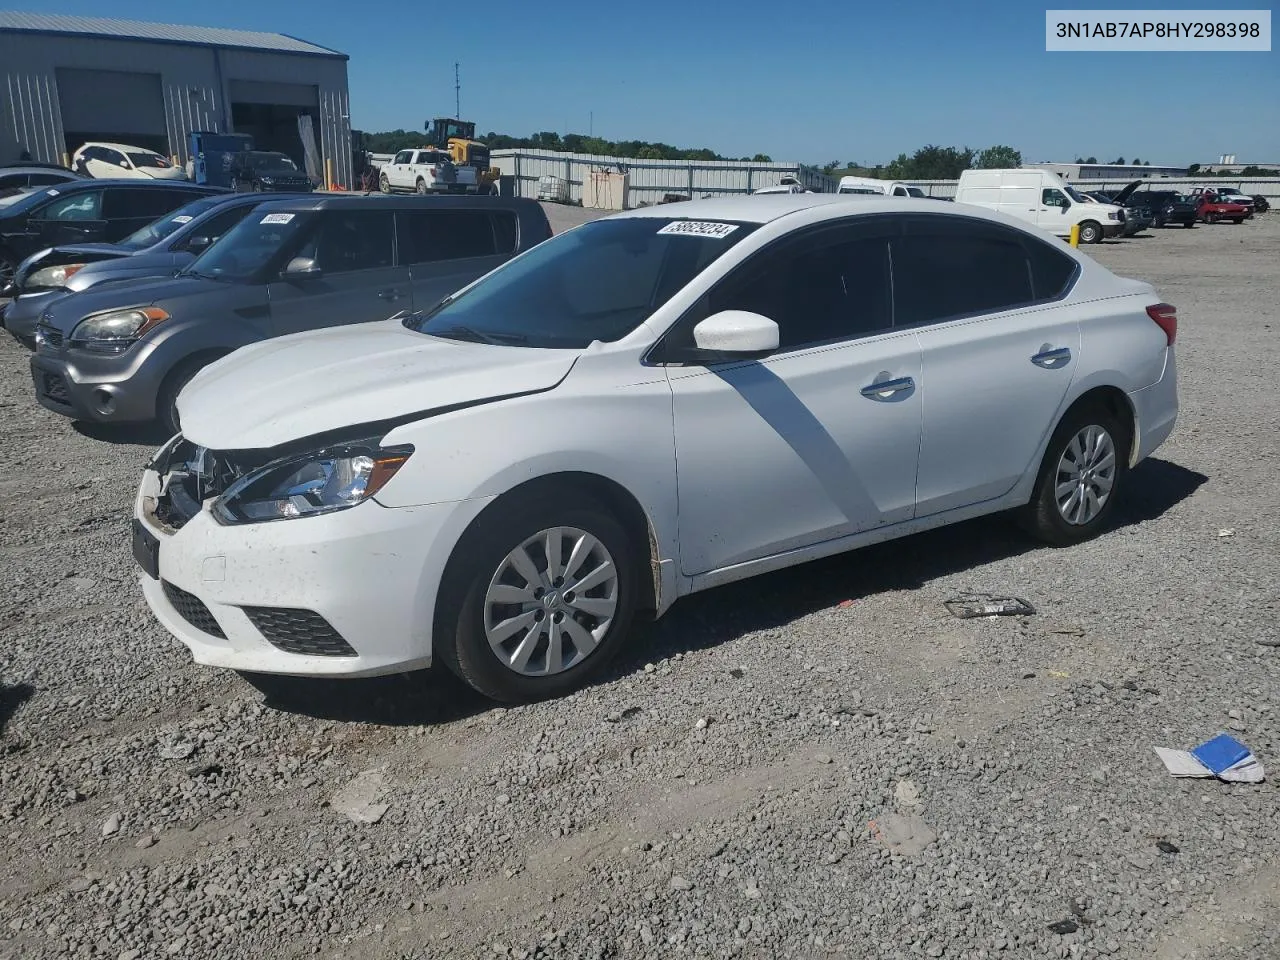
<point>78,206</point>
<point>598,281</point>
<point>1053,198</point>
<point>403,156</point>
<point>833,285</point>
<point>348,240</point>
<point>149,160</point>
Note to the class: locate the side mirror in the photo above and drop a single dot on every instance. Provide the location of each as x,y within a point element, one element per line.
<point>199,243</point>
<point>302,268</point>
<point>737,332</point>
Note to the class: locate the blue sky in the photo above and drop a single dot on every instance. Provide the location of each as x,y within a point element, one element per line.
<point>797,81</point>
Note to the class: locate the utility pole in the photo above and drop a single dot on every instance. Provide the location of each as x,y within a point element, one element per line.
<point>591,124</point>
<point>457,93</point>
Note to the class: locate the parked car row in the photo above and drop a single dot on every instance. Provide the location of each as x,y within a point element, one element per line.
<point>372,468</point>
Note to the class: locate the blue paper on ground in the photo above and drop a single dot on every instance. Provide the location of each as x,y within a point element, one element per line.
<point>1221,753</point>
<point>1223,757</point>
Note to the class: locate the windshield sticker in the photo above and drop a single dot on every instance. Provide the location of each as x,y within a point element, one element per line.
<point>52,193</point>
<point>182,219</point>
<point>700,228</point>
<point>277,218</point>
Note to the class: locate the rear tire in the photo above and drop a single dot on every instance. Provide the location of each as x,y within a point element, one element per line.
<point>1190,224</point>
<point>8,267</point>
<point>1237,220</point>
<point>484,588</point>
<point>1090,232</point>
<point>1083,472</point>
<point>421,187</point>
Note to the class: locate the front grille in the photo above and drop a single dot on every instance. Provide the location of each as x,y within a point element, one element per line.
<point>192,610</point>
<point>49,336</point>
<point>55,388</point>
<point>303,632</point>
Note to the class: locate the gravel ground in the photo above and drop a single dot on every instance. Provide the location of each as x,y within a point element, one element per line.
<point>818,763</point>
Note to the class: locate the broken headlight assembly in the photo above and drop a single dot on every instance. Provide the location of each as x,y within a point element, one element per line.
<point>309,484</point>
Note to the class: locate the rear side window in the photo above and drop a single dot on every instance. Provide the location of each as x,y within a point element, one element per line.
<point>46,179</point>
<point>948,269</point>
<point>435,236</point>
<point>135,203</point>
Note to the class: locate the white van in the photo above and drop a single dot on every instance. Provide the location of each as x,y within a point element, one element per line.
<point>889,188</point>
<point>1043,198</point>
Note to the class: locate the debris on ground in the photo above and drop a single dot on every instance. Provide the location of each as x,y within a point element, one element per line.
<point>1223,757</point>
<point>969,605</point>
<point>359,799</point>
<point>180,750</point>
<point>1225,533</point>
<point>905,834</point>
<point>1063,927</point>
<point>1164,846</point>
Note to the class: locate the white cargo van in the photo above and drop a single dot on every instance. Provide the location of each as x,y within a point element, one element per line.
<point>1043,198</point>
<point>889,188</point>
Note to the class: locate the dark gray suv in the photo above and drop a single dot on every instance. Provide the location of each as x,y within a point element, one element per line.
<point>123,352</point>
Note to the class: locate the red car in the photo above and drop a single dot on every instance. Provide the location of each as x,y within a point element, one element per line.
<point>1211,208</point>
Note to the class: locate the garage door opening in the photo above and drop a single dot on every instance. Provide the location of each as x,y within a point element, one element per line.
<point>273,127</point>
<point>112,106</point>
<point>269,112</point>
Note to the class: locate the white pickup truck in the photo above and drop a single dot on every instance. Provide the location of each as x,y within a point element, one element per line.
<point>422,171</point>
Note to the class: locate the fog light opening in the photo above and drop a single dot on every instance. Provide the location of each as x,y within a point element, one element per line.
<point>105,403</point>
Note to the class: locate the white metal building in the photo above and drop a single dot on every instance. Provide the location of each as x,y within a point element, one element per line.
<point>67,80</point>
<point>1108,171</point>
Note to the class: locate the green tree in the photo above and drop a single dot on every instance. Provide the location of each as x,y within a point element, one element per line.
<point>1137,162</point>
<point>1118,161</point>
<point>762,158</point>
<point>1092,160</point>
<point>1193,169</point>
<point>999,157</point>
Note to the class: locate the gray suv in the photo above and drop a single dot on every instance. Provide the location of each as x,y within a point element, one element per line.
<point>123,352</point>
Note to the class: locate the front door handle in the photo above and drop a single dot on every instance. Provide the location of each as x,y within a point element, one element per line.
<point>1052,358</point>
<point>884,389</point>
<point>389,294</point>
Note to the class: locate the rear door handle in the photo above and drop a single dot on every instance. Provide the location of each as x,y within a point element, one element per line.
<point>389,294</point>
<point>886,389</point>
<point>1052,358</point>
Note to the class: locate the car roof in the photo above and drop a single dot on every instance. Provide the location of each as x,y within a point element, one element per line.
<point>379,201</point>
<point>122,147</point>
<point>767,207</point>
<point>89,183</point>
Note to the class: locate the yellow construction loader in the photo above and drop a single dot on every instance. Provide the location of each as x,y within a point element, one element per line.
<point>469,155</point>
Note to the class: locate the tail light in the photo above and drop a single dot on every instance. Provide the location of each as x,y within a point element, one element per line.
<point>1166,315</point>
<point>435,171</point>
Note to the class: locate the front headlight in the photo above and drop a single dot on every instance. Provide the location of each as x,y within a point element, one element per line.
<point>1115,215</point>
<point>54,276</point>
<point>321,481</point>
<point>116,329</point>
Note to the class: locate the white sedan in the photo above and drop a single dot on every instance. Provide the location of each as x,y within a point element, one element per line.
<point>640,408</point>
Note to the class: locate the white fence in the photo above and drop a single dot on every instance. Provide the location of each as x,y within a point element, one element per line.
<point>650,181</point>
<point>1268,187</point>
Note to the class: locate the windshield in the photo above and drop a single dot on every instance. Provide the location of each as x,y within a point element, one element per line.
<point>597,282</point>
<point>271,161</point>
<point>157,230</point>
<point>248,247</point>
<point>1071,192</point>
<point>149,160</point>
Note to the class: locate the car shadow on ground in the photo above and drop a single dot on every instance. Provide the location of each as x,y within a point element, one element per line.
<point>11,698</point>
<point>136,434</point>
<point>725,613</point>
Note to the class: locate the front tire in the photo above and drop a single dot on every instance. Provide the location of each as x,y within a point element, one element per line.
<point>167,398</point>
<point>1084,470</point>
<point>538,598</point>
<point>8,267</point>
<point>1090,232</point>
<point>384,185</point>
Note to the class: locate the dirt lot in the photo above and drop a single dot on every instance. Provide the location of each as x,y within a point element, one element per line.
<point>816,763</point>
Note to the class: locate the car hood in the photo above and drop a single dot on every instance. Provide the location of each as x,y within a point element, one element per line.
<point>293,387</point>
<point>143,292</point>
<point>164,173</point>
<point>69,253</point>
<point>145,265</point>
<point>1126,193</point>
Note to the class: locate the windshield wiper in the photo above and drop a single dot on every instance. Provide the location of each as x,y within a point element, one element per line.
<point>458,332</point>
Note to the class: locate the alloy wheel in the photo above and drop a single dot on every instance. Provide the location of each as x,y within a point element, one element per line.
<point>1086,475</point>
<point>551,602</point>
